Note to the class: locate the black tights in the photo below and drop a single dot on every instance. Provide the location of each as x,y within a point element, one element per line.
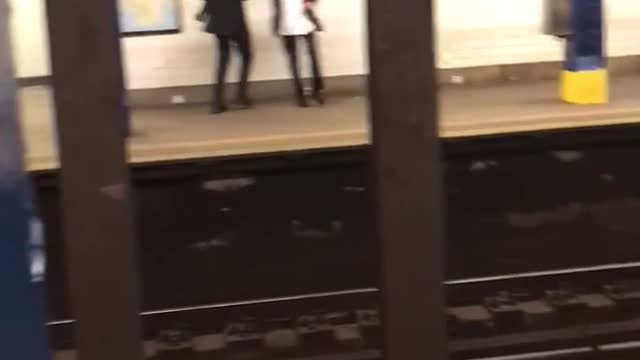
<point>290,44</point>
<point>243,44</point>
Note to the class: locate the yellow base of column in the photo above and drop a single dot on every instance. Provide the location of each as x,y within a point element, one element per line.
<point>585,87</point>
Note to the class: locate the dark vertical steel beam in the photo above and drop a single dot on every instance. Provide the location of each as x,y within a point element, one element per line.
<point>403,103</point>
<point>22,317</point>
<point>98,217</point>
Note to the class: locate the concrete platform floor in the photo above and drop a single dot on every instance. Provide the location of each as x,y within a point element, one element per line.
<point>182,132</point>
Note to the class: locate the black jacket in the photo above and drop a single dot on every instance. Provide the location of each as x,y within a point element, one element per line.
<point>225,17</point>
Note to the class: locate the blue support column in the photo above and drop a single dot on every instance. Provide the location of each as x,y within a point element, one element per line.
<point>22,316</point>
<point>584,79</point>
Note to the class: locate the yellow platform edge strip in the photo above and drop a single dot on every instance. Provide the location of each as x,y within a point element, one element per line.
<point>585,87</point>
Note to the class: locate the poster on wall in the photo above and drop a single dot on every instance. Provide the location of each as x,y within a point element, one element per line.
<point>149,17</point>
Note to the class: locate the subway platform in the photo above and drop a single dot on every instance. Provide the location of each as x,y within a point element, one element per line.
<point>183,132</point>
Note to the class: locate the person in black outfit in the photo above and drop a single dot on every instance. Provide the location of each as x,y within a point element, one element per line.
<point>226,19</point>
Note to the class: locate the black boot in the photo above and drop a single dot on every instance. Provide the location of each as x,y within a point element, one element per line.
<point>218,103</point>
<point>217,108</point>
<point>318,95</point>
<point>302,101</point>
<point>243,102</point>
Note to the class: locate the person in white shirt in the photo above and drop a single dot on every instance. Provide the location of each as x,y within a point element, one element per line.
<point>293,20</point>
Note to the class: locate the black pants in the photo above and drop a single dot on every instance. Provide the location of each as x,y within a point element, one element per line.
<point>243,44</point>
<point>290,44</point>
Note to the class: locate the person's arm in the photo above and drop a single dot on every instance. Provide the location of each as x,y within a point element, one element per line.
<point>309,6</point>
<point>277,10</point>
<point>205,12</point>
